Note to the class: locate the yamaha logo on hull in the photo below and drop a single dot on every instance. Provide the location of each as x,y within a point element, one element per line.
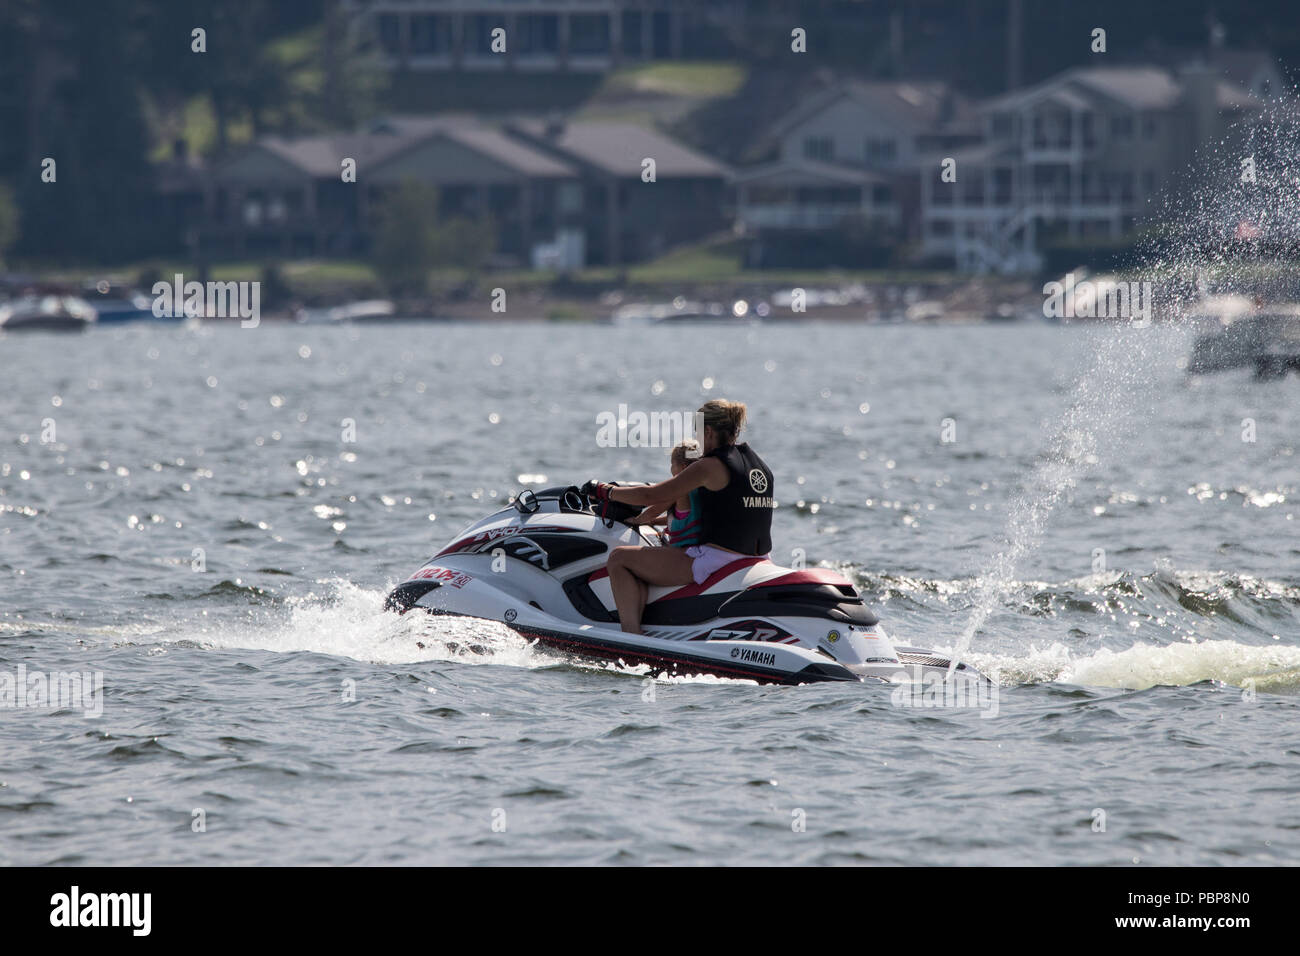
<point>754,656</point>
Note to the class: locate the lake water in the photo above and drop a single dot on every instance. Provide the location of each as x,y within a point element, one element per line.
<point>181,513</point>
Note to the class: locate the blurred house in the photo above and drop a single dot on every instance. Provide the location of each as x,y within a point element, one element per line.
<point>1077,157</point>
<point>541,35</point>
<point>848,159</point>
<point>181,186</point>
<point>626,219</point>
<point>560,196</point>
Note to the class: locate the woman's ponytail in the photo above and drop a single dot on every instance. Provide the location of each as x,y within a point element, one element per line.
<point>724,417</point>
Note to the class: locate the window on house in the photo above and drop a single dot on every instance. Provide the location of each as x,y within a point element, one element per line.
<point>1121,127</point>
<point>881,152</point>
<point>941,193</point>
<point>1001,127</point>
<point>819,148</point>
<point>589,33</point>
<point>772,195</point>
<point>537,34</point>
<point>426,35</point>
<point>390,33</point>
<point>1149,181</point>
<point>1148,127</point>
<point>1002,181</point>
<point>569,198</point>
<point>478,33</point>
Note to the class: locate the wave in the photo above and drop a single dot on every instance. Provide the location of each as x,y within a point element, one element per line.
<point>1183,604</point>
<point>348,621</point>
<point>344,620</point>
<point>1274,670</point>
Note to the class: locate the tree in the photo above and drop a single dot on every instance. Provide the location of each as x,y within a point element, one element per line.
<point>68,93</point>
<point>8,222</point>
<point>465,243</point>
<point>354,82</point>
<point>405,246</point>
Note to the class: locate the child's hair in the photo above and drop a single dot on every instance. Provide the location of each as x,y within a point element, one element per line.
<point>685,452</point>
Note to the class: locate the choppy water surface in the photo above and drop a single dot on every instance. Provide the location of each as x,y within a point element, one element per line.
<point>1146,641</point>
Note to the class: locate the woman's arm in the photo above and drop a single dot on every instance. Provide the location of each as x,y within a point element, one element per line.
<point>706,473</point>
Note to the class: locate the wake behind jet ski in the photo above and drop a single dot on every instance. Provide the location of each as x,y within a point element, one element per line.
<point>538,566</point>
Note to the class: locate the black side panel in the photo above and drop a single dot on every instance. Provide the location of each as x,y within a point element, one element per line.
<point>814,673</point>
<point>689,610</point>
<point>404,596</point>
<point>585,601</point>
<point>801,600</point>
<point>557,550</point>
<point>796,600</point>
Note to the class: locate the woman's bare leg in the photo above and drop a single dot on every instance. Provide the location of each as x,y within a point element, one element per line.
<point>632,569</point>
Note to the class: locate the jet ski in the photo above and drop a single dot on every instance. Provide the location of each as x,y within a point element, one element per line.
<point>538,566</point>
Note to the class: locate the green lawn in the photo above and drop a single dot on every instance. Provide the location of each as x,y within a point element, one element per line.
<point>706,263</point>
<point>721,262</point>
<point>701,80</point>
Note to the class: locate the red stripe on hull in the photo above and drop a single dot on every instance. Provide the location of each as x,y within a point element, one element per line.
<point>808,576</point>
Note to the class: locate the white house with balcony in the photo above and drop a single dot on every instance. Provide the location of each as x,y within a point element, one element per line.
<point>1079,156</point>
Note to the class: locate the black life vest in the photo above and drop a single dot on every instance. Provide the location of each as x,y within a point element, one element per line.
<point>739,517</point>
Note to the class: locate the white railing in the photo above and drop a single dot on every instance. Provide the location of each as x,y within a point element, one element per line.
<point>812,216</point>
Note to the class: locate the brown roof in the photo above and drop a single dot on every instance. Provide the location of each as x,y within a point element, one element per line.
<point>1137,87</point>
<point>918,105</point>
<point>320,156</point>
<point>510,151</point>
<point>619,148</point>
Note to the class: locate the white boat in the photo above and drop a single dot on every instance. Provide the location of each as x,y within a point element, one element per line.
<point>365,310</point>
<point>46,313</point>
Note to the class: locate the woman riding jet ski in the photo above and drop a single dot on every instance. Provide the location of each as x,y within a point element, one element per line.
<point>734,490</point>
<point>573,569</point>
